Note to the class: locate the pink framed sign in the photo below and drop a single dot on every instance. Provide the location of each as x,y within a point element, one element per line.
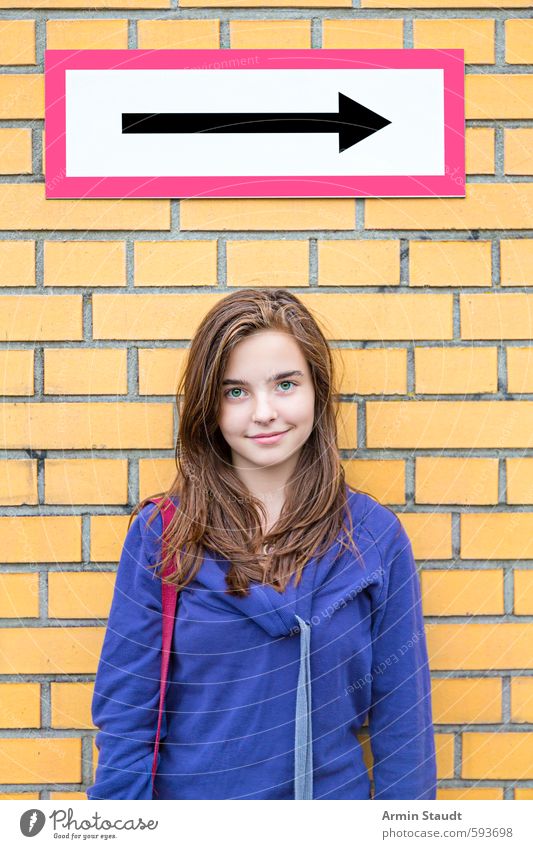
<point>254,123</point>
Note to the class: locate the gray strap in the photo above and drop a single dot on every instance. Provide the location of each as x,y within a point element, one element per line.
<point>303,740</point>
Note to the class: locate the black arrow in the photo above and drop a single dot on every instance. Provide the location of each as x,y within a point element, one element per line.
<point>353,122</point>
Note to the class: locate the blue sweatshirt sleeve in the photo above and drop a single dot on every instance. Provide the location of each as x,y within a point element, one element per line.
<point>400,718</point>
<point>125,703</point>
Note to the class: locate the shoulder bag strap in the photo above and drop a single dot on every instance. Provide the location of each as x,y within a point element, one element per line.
<point>169,600</point>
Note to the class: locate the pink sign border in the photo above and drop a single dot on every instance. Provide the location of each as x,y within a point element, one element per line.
<point>59,185</point>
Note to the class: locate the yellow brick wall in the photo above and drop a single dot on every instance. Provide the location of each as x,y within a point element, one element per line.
<point>429,312</point>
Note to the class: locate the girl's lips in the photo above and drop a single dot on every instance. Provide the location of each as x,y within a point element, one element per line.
<point>269,440</point>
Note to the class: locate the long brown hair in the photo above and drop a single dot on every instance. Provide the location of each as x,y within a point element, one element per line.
<point>216,510</point>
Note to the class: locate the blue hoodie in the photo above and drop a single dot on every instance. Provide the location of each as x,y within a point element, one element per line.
<point>266,694</point>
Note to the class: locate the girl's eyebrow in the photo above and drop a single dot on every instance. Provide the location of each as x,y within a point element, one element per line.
<point>281,376</point>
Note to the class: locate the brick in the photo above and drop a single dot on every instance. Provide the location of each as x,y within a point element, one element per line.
<point>523,793</point>
<point>71,705</point>
<point>157,316</point>
<point>519,369</point>
<point>15,151</point>
<point>497,754</point>
<point>23,796</point>
<point>374,371</point>
<point>267,213</point>
<point>43,539</point>
<point>274,4</point>
<point>17,42</point>
<point>85,371</point>
<point>444,748</point>
<point>449,424</point>
<point>466,700</point>
<point>268,263</point>
<point>82,4</point>
<point>364,740</point>
<point>270,34</point>
<point>496,316</point>
<point>518,146</point>
<point>149,316</point>
<point>380,317</point>
<point>20,705</point>
<point>85,481</point>
<point>21,96</point>
<point>50,650</point>
<point>347,426</point>
<point>448,371</point>
<point>469,793</point>
<point>519,475</point>
<point>40,760</point>
<point>80,595</point>
<point>23,206</point>
<point>169,35</point>
<point>40,317</point>
<point>474,35</point>
<point>155,475</point>
<point>89,426</point>
<point>19,595</point>
<point>497,536</point>
<point>519,41</point>
<point>444,4</point>
<point>382,34</point>
<point>160,369</point>
<point>430,534</point>
<point>516,262</point>
<point>456,480</point>
<point>479,150</point>
<point>522,699</point>
<point>479,645</point>
<point>17,263</point>
<point>382,479</point>
<point>523,592</point>
<point>498,96</point>
<point>486,206</point>
<point>107,537</point>
<point>84,263</point>
<point>462,592</point>
<point>366,262</point>
<point>87,34</point>
<point>16,372</point>
<point>184,263</point>
<point>18,482</point>
<point>450,263</point>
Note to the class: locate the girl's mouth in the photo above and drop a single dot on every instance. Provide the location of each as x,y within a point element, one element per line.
<point>269,440</point>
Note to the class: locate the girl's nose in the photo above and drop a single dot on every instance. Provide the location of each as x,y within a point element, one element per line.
<point>264,410</point>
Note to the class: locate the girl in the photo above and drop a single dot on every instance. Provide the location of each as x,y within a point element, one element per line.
<point>299,614</point>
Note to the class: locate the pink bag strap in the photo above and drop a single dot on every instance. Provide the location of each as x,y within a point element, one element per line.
<point>169,600</point>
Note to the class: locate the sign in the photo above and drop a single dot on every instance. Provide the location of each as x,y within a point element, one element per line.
<point>254,123</point>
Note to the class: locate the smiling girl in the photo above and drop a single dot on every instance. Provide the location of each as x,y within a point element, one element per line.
<point>299,613</point>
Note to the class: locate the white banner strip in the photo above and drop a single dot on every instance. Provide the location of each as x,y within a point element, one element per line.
<point>242,824</point>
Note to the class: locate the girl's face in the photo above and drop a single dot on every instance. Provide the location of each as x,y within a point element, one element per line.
<point>267,388</point>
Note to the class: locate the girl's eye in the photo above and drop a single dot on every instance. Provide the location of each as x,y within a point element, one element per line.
<point>234,389</point>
